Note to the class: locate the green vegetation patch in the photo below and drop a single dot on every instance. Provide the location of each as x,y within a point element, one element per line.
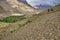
<point>14,29</point>
<point>12,19</point>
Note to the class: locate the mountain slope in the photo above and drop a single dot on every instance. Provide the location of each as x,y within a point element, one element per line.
<point>6,9</point>
<point>21,7</point>
<point>46,26</point>
<point>10,7</point>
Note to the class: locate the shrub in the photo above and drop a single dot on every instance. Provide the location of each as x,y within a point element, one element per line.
<point>12,19</point>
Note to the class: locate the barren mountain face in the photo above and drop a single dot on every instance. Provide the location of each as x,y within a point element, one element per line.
<point>5,9</point>
<point>23,8</point>
<point>9,7</point>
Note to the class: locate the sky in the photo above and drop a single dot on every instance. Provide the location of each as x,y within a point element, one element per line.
<point>43,2</point>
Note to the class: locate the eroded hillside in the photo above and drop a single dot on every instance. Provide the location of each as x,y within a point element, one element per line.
<point>21,7</point>
<point>11,7</point>
<point>43,26</point>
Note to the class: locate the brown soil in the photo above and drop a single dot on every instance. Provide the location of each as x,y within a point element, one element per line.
<point>45,26</point>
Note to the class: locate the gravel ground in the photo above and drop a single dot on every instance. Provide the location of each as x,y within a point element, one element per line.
<point>45,27</point>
